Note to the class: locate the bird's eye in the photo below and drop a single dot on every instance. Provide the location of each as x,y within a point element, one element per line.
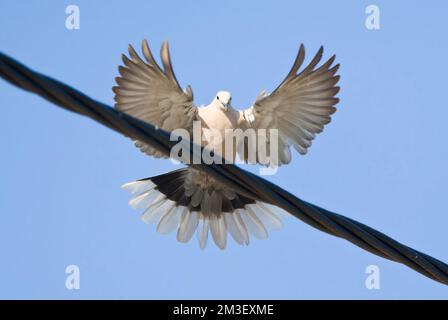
<point>217,98</point>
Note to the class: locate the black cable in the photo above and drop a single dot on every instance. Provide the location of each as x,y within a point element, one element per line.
<point>240,180</point>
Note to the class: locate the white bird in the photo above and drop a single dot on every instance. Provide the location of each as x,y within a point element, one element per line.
<point>189,200</point>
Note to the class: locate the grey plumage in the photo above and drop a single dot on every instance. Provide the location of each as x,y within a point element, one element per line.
<point>299,107</point>
<point>191,201</point>
<point>152,94</point>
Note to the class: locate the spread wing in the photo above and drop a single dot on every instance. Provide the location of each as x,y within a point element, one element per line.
<point>299,108</point>
<point>152,94</point>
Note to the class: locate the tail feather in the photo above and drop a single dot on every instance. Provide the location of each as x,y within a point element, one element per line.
<point>190,201</point>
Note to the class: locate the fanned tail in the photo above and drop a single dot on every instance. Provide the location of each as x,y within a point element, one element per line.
<point>191,201</point>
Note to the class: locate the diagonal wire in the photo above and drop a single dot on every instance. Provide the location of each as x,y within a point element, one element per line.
<point>240,180</point>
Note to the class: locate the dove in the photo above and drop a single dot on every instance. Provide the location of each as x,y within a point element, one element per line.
<point>190,201</point>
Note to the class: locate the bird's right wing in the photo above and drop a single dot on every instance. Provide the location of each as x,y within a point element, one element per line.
<point>152,94</point>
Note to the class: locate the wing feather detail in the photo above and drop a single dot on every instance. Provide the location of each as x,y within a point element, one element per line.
<point>298,108</point>
<point>152,94</point>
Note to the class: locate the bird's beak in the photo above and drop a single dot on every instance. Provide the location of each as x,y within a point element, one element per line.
<point>225,106</point>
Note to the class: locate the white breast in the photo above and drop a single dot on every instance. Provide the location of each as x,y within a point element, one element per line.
<point>214,124</point>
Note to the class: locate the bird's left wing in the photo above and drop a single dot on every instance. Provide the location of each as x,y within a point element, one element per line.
<point>152,94</point>
<point>299,108</point>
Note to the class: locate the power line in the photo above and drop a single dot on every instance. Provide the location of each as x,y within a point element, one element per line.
<point>242,181</point>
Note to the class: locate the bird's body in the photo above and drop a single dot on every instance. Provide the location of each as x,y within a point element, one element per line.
<point>189,200</point>
<point>214,123</point>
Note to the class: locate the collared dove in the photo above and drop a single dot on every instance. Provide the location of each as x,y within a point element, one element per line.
<point>189,200</point>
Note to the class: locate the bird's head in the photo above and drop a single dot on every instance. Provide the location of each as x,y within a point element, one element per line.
<point>223,100</point>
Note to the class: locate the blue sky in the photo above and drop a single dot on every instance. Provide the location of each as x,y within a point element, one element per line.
<point>381,161</point>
